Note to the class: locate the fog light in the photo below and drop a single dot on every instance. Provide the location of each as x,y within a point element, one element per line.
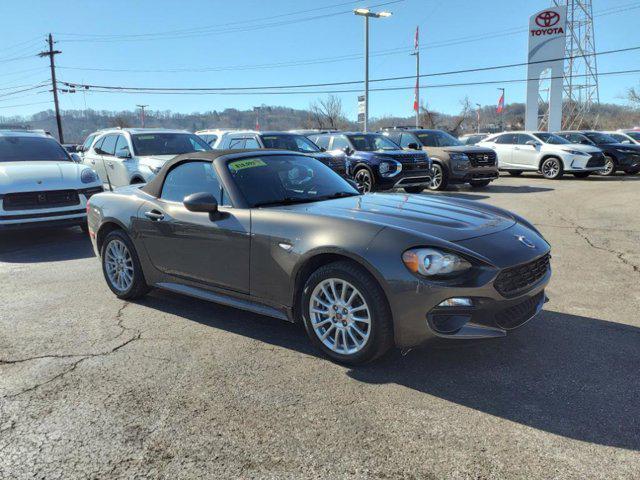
<point>457,302</point>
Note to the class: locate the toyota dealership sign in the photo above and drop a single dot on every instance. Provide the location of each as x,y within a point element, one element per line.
<point>546,51</point>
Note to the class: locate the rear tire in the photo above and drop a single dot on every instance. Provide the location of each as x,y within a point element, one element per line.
<point>515,173</point>
<point>328,318</point>
<point>413,189</point>
<point>609,167</point>
<point>121,266</point>
<point>551,168</point>
<point>439,177</point>
<point>479,183</point>
<point>581,174</point>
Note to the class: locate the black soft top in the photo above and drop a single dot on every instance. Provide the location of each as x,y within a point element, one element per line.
<point>154,187</point>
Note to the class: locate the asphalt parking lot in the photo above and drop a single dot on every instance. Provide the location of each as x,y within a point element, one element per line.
<point>172,387</point>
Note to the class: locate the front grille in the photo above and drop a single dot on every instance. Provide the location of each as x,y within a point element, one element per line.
<point>513,281</point>
<point>36,200</point>
<point>596,160</point>
<point>516,315</point>
<point>482,159</point>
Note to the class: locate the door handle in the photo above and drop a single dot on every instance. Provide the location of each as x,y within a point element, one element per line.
<point>110,164</point>
<point>154,215</point>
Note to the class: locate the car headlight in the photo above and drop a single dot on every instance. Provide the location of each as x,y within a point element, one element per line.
<point>88,176</point>
<point>431,262</point>
<point>460,157</point>
<point>577,152</point>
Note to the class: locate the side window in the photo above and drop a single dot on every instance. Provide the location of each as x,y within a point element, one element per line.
<point>236,143</point>
<point>522,139</point>
<point>321,140</point>
<point>188,178</point>
<point>507,138</point>
<point>98,144</point>
<point>251,143</point>
<point>87,143</point>
<point>109,145</point>
<point>339,142</point>
<point>405,140</point>
<point>122,147</point>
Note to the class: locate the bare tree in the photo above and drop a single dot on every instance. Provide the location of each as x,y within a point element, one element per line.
<point>633,95</point>
<point>328,113</point>
<point>467,108</point>
<point>428,118</point>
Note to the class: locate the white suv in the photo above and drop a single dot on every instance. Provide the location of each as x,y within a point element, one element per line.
<point>41,184</point>
<point>134,155</point>
<point>543,152</point>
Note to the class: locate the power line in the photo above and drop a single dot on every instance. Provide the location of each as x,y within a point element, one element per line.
<point>25,104</point>
<point>320,92</point>
<point>220,31</point>
<point>33,87</point>
<point>331,84</point>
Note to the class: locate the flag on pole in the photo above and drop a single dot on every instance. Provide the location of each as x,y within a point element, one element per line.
<point>257,124</point>
<point>416,107</point>
<point>500,106</point>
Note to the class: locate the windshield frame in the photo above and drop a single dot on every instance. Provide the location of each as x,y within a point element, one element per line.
<point>136,150</point>
<point>39,138</point>
<point>237,194</point>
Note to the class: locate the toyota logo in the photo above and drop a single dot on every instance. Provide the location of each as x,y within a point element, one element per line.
<point>547,19</point>
<point>525,241</point>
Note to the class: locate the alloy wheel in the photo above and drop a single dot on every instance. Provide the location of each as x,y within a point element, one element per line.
<point>118,265</point>
<point>363,179</point>
<point>551,168</point>
<point>436,177</point>
<point>340,316</point>
<point>609,167</point>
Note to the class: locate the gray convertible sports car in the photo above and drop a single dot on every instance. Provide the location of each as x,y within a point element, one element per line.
<point>281,234</point>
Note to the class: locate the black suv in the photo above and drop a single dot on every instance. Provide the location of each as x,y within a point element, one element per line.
<point>376,163</point>
<point>283,141</point>
<point>618,156</point>
<point>453,162</point>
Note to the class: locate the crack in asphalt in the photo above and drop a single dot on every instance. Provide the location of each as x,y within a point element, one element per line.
<point>81,357</point>
<point>581,232</point>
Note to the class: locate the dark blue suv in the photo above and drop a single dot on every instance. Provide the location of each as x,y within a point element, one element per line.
<point>377,163</point>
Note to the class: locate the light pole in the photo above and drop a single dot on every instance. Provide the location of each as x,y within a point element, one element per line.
<point>142,107</point>
<point>478,112</point>
<point>366,13</point>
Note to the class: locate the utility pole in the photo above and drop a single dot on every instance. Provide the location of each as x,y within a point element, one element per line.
<point>51,53</point>
<point>142,107</point>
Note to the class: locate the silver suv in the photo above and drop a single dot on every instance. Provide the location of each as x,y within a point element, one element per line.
<point>134,155</point>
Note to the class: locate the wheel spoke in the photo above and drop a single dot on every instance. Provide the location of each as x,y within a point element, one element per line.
<point>327,332</point>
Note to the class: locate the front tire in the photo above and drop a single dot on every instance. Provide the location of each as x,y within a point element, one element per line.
<point>439,177</point>
<point>551,168</point>
<point>364,178</point>
<point>345,313</point>
<point>413,189</point>
<point>121,266</point>
<point>609,167</point>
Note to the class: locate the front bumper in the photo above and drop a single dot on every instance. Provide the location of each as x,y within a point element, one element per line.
<point>583,163</point>
<point>45,222</point>
<point>475,173</point>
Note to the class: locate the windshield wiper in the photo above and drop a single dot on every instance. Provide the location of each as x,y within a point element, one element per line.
<point>285,201</point>
<point>338,195</point>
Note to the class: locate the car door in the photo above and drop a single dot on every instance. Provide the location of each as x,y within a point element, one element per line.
<point>525,156</point>
<point>504,149</point>
<point>121,158</point>
<point>107,152</point>
<point>93,159</point>
<point>212,251</point>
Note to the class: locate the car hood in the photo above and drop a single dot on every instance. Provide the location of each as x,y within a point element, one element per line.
<point>443,217</point>
<point>389,153</point>
<point>39,175</point>
<point>574,146</point>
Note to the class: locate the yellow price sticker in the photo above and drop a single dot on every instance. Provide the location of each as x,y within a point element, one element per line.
<point>242,164</point>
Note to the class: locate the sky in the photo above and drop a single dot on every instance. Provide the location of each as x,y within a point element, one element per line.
<point>248,43</point>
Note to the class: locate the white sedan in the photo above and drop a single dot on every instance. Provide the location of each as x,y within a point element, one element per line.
<point>41,184</point>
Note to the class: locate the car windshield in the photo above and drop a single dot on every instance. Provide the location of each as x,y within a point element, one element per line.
<point>634,135</point>
<point>286,179</point>
<point>437,138</point>
<point>550,138</point>
<point>296,143</point>
<point>167,143</point>
<point>600,138</point>
<point>369,142</point>
<point>26,149</point>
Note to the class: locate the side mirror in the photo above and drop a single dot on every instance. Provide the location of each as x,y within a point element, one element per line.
<point>75,157</point>
<point>413,146</point>
<point>80,148</point>
<point>347,151</point>
<point>201,202</point>
<point>533,143</point>
<point>124,154</point>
